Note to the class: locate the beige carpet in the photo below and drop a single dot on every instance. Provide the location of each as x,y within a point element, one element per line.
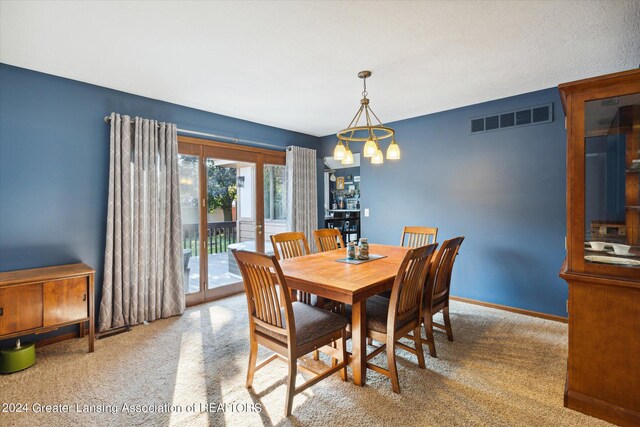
<point>503,369</point>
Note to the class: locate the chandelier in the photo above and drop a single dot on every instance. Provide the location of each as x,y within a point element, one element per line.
<point>368,132</point>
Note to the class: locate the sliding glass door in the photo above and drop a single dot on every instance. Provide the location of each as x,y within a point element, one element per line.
<point>275,202</point>
<point>223,208</point>
<point>189,171</point>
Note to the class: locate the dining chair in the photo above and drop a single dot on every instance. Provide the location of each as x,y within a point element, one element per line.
<point>436,294</point>
<point>390,320</point>
<point>290,245</point>
<point>293,244</point>
<point>414,236</point>
<point>328,239</point>
<point>289,329</point>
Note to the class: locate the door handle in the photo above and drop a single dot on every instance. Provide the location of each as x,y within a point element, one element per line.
<point>84,297</point>
<point>1,311</point>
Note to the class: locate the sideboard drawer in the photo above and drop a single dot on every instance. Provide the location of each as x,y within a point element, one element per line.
<point>21,308</point>
<point>65,300</point>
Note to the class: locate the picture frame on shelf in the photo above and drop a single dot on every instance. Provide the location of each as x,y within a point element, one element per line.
<point>340,183</point>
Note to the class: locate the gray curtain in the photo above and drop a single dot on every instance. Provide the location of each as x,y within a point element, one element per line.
<point>143,253</point>
<point>302,192</point>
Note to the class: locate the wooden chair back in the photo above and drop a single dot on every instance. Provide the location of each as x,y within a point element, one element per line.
<point>290,245</point>
<point>328,239</point>
<point>415,236</point>
<point>439,282</point>
<point>408,287</point>
<point>264,296</point>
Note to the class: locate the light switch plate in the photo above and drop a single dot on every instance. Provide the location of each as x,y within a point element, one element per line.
<point>366,212</point>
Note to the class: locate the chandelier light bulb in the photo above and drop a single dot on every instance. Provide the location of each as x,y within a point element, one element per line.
<point>393,152</point>
<point>370,148</point>
<point>378,159</point>
<point>339,152</point>
<point>348,157</point>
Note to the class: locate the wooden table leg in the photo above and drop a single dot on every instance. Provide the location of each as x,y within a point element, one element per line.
<point>359,343</point>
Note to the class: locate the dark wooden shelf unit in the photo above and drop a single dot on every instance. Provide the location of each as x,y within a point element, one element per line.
<point>348,222</point>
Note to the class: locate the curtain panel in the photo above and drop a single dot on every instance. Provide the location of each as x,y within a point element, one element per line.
<point>143,278</point>
<point>302,190</point>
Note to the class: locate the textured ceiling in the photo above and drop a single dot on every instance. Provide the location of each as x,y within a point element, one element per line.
<point>294,64</point>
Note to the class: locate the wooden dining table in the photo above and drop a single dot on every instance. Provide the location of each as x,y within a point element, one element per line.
<point>322,275</point>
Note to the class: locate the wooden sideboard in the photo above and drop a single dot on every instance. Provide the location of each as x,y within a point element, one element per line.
<point>40,300</point>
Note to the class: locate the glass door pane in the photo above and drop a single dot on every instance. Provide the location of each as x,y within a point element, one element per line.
<point>275,203</point>
<point>231,220</point>
<point>188,170</point>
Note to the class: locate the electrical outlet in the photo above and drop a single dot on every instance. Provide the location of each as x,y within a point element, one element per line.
<point>366,212</point>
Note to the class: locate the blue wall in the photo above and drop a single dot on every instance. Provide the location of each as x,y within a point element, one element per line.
<point>503,190</point>
<point>54,163</point>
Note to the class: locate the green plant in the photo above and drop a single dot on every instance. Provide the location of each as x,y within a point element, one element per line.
<point>221,189</point>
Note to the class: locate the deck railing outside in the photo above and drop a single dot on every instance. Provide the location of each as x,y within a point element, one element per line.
<point>219,236</point>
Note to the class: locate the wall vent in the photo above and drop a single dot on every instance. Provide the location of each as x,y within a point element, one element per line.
<point>510,119</point>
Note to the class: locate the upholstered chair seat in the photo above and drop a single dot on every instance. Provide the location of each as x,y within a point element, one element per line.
<point>377,313</point>
<point>311,323</point>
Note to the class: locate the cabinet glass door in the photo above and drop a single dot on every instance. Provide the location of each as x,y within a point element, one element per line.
<point>612,181</point>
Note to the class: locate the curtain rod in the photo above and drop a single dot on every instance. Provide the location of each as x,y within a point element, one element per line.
<point>107,119</point>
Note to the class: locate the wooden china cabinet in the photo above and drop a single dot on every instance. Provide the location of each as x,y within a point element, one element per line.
<point>603,206</point>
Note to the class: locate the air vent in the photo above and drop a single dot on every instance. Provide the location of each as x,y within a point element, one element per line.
<point>477,125</point>
<point>507,120</point>
<point>522,117</point>
<point>491,123</point>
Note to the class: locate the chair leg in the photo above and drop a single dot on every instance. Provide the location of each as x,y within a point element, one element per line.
<point>253,357</point>
<point>316,355</point>
<point>417,339</point>
<point>447,323</point>
<point>334,361</point>
<point>428,328</point>
<point>393,369</point>
<point>291,385</point>
<point>342,345</point>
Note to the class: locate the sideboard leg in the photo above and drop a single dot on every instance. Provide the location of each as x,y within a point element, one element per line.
<point>92,326</point>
